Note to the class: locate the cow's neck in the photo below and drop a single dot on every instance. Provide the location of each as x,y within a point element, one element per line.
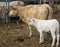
<point>20,14</point>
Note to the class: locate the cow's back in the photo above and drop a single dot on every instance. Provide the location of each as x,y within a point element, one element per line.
<point>36,11</point>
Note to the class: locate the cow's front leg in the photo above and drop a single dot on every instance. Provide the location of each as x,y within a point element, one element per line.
<point>30,34</point>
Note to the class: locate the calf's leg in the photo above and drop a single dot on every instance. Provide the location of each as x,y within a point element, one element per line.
<point>41,37</point>
<point>53,38</point>
<point>57,40</point>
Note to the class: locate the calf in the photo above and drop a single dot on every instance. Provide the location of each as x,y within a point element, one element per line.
<point>46,25</point>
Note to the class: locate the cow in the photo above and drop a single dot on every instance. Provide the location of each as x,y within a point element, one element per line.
<point>43,11</point>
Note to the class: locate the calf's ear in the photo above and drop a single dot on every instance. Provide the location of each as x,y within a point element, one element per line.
<point>33,20</point>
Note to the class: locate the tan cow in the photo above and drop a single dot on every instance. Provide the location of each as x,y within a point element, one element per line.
<point>43,11</point>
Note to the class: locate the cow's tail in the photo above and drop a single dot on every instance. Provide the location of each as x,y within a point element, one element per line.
<point>57,34</point>
<point>50,11</point>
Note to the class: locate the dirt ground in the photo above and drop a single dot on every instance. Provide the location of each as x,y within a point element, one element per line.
<point>13,35</point>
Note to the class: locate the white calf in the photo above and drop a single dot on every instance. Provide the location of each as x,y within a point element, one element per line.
<point>46,25</point>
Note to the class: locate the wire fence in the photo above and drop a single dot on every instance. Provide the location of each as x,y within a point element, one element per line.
<point>5,7</point>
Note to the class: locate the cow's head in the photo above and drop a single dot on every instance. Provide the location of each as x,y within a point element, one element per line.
<point>14,10</point>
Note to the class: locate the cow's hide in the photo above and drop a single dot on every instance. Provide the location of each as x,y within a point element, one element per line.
<point>43,11</point>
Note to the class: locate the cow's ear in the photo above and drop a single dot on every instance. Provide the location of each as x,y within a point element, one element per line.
<point>14,6</point>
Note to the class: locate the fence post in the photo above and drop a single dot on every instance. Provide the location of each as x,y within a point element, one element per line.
<point>7,18</point>
<point>56,5</point>
<point>40,2</point>
<point>35,1</point>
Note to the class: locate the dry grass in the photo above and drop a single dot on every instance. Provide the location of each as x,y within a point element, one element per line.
<point>13,35</point>
<point>18,36</point>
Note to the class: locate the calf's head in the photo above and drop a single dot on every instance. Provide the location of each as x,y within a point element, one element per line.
<point>32,21</point>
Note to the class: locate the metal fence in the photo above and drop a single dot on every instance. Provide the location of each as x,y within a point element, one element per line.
<point>4,7</point>
<point>7,4</point>
<point>2,10</point>
<point>54,3</point>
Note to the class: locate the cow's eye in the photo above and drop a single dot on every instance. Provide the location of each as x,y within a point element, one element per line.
<point>13,9</point>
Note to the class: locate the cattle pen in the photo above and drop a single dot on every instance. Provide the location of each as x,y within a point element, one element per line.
<point>15,33</point>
